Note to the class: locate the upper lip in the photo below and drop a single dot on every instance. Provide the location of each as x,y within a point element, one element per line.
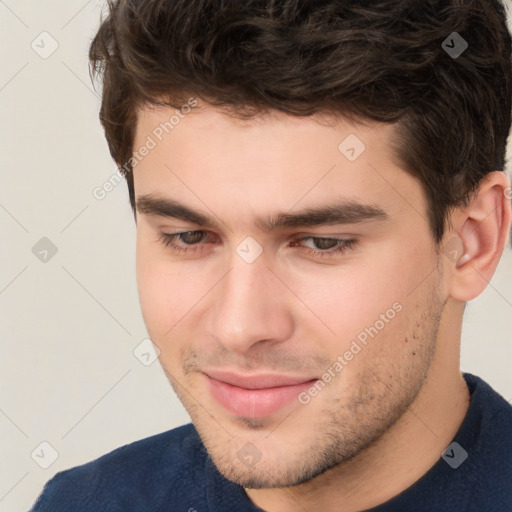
<point>256,381</point>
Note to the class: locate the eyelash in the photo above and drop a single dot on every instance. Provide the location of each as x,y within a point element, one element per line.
<point>343,246</point>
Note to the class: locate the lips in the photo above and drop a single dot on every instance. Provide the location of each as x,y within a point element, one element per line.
<point>255,396</point>
<point>260,381</point>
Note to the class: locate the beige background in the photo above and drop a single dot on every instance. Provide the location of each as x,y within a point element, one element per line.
<point>68,375</point>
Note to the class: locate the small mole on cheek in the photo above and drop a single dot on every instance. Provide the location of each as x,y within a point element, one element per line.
<point>406,339</point>
<point>414,353</point>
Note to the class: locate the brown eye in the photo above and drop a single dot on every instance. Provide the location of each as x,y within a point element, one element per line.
<point>187,242</point>
<point>325,247</point>
<point>192,237</point>
<point>325,243</point>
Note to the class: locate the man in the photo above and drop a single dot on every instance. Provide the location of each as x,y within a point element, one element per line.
<point>318,189</point>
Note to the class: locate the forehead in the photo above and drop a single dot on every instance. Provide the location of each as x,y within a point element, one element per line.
<point>204,117</point>
<point>272,137</point>
<point>215,160</point>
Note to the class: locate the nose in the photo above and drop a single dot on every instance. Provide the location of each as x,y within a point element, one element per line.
<point>250,306</point>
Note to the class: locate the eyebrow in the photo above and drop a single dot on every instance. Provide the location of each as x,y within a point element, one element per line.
<point>346,212</point>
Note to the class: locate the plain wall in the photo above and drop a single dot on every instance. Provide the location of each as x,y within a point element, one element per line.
<point>69,325</point>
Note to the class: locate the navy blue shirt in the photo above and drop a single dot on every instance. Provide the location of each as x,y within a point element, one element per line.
<point>173,472</point>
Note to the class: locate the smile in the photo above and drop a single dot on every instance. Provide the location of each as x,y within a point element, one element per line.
<point>255,397</point>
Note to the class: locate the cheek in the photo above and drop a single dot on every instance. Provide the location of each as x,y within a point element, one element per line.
<point>349,299</point>
<point>164,293</point>
<point>365,307</point>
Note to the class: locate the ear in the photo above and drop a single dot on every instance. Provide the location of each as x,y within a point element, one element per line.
<point>477,238</point>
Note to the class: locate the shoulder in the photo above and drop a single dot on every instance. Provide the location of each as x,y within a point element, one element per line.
<point>486,434</point>
<point>488,409</point>
<point>147,472</point>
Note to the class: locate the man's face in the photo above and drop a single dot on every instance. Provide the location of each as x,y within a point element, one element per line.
<point>265,290</point>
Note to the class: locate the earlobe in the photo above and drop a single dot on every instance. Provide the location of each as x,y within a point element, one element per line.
<point>483,228</point>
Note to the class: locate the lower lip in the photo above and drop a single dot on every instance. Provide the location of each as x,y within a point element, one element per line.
<point>255,403</point>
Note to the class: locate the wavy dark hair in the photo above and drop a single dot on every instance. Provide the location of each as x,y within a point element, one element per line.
<point>381,60</point>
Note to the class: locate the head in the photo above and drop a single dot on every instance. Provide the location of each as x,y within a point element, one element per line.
<point>338,181</point>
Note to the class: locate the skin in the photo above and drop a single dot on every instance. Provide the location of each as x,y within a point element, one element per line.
<point>293,312</point>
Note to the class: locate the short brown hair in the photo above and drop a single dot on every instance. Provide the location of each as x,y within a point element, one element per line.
<point>363,59</point>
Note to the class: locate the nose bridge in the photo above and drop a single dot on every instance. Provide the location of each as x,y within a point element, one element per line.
<point>248,306</point>
<point>243,291</point>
